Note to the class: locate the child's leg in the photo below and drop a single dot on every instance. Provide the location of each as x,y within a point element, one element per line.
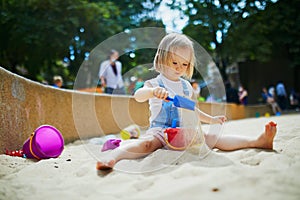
<point>133,150</point>
<point>234,142</point>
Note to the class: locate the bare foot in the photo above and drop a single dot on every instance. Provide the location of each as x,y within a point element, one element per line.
<point>105,165</point>
<point>265,140</point>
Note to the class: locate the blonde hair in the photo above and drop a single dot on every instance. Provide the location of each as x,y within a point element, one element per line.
<point>169,44</point>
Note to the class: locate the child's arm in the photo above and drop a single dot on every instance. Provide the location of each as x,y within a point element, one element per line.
<point>210,119</point>
<point>143,94</point>
<point>147,92</point>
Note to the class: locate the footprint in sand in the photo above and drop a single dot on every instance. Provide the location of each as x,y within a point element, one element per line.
<point>251,161</point>
<point>254,159</point>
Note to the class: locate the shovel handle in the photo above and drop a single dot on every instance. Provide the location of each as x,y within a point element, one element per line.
<point>169,99</point>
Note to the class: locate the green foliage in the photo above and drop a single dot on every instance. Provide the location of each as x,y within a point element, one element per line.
<point>36,35</point>
<point>134,13</point>
<point>142,55</point>
<point>284,21</point>
<point>268,34</point>
<point>248,30</point>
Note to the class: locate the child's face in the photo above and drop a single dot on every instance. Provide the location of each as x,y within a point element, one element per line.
<point>178,64</point>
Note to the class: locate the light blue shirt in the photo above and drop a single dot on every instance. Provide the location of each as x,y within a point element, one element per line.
<point>280,89</point>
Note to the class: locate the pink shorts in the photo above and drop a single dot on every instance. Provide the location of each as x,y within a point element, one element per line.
<point>158,133</point>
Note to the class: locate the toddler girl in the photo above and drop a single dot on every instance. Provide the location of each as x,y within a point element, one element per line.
<point>175,58</point>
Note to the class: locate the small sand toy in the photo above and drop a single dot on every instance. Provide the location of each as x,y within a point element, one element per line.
<point>45,142</point>
<point>16,153</point>
<point>130,132</point>
<point>182,102</point>
<point>111,144</point>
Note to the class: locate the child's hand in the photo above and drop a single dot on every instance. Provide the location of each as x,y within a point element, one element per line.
<point>160,92</point>
<point>218,119</point>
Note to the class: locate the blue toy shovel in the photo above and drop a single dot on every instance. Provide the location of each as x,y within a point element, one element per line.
<point>182,102</point>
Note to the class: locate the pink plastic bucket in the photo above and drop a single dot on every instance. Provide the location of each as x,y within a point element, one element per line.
<point>45,142</point>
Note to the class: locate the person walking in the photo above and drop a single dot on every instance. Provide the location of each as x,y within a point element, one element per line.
<point>110,74</point>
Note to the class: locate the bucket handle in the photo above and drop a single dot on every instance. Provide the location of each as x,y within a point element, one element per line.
<point>175,148</point>
<point>30,147</point>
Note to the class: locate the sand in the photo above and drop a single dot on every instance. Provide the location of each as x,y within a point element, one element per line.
<point>242,174</point>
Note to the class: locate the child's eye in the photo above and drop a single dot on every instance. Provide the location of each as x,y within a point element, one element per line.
<point>175,63</point>
<point>184,64</point>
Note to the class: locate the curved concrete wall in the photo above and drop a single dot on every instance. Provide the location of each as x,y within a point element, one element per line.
<point>234,111</point>
<point>25,105</point>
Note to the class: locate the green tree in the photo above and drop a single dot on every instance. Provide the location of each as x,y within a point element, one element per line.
<point>138,14</point>
<point>37,34</point>
<point>141,55</point>
<point>212,22</point>
<point>134,13</point>
<point>269,34</point>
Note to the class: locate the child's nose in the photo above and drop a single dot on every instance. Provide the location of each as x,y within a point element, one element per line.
<point>181,66</point>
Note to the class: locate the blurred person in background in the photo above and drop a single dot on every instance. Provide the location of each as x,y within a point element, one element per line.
<point>281,95</point>
<point>57,81</point>
<point>243,95</point>
<point>269,99</point>
<point>110,74</point>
